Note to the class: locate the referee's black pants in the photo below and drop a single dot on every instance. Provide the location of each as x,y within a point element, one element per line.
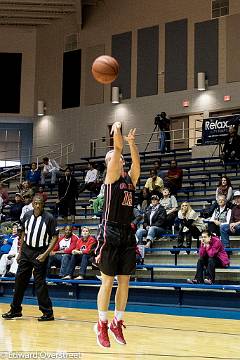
<point>27,264</point>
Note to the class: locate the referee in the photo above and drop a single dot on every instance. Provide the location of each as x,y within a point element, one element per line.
<point>38,239</point>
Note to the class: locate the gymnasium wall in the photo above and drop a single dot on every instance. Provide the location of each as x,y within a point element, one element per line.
<point>115,26</point>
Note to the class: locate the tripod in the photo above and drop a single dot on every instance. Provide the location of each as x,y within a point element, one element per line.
<point>151,137</point>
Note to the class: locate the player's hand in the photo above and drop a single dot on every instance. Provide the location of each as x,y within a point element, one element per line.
<point>115,127</point>
<point>131,136</point>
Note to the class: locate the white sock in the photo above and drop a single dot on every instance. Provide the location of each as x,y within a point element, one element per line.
<point>118,315</point>
<point>102,315</point>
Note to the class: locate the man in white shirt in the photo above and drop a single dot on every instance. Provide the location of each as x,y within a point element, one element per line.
<point>28,204</point>
<point>90,180</point>
<point>49,168</point>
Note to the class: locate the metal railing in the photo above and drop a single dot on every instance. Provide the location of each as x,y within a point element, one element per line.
<point>176,136</point>
<point>59,153</point>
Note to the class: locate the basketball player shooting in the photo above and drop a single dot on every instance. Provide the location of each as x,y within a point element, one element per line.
<point>116,250</point>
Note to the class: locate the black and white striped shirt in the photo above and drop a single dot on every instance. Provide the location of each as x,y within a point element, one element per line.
<point>39,230</point>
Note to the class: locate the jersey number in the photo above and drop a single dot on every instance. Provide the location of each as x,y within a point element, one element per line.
<point>127,201</point>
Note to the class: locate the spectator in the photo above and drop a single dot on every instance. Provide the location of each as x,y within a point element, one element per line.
<point>234,227</point>
<point>160,172</point>
<point>33,175</point>
<point>4,194</point>
<point>42,193</point>
<point>212,255</point>
<point>81,254</point>
<point>16,207</point>
<point>173,179</point>
<point>61,254</point>
<point>170,204</point>
<point>191,225</point>
<point>137,219</point>
<point>67,195</point>
<point>25,188</point>
<point>163,124</point>
<point>154,184</point>
<point>221,215</point>
<point>27,197</point>
<point>154,222</point>
<point>231,149</point>
<point>144,199</point>
<point>49,168</point>
<point>98,202</point>
<point>8,239</point>
<point>10,259</point>
<point>91,179</point>
<point>224,188</point>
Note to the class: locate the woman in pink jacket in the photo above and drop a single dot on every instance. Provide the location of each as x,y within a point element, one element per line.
<point>212,255</point>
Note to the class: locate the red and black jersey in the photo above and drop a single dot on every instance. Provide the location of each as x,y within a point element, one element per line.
<point>119,201</point>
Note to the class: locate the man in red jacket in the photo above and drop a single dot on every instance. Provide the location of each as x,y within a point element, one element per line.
<point>81,254</point>
<point>62,251</point>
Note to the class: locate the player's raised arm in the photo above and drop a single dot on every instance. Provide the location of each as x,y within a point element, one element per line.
<point>134,172</point>
<point>113,157</point>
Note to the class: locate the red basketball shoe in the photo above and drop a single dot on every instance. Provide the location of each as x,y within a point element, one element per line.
<point>116,329</point>
<point>101,329</point>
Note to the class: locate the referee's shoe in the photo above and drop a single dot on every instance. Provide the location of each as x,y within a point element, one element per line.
<point>11,314</point>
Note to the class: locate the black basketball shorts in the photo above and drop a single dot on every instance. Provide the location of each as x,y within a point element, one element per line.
<point>117,249</point>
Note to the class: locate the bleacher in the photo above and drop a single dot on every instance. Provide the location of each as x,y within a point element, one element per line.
<point>163,268</point>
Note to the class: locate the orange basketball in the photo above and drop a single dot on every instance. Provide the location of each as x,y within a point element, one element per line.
<point>105,69</point>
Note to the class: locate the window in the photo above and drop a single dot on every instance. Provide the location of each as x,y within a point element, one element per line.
<point>220,8</point>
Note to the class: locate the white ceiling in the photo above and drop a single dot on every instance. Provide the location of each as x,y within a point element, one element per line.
<point>35,12</point>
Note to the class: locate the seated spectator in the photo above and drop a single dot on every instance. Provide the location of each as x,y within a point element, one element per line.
<point>33,175</point>
<point>191,225</point>
<point>27,197</point>
<point>91,180</point>
<point>4,194</point>
<point>221,215</point>
<point>50,168</point>
<point>160,172</point>
<point>81,254</point>
<point>154,224</point>
<point>7,240</point>
<point>26,188</point>
<point>67,195</point>
<point>212,255</point>
<point>42,193</point>
<point>154,184</point>
<point>144,199</point>
<point>61,254</point>
<point>16,207</point>
<point>137,218</point>
<point>170,204</point>
<point>224,188</point>
<point>231,149</point>
<point>98,202</point>
<point>233,228</point>
<point>10,259</point>
<point>173,179</point>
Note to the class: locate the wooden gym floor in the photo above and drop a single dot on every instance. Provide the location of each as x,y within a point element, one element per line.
<point>149,336</point>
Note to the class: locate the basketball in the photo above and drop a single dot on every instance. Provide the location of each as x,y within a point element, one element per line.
<point>105,69</point>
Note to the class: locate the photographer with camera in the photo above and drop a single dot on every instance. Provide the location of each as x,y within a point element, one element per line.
<point>163,124</point>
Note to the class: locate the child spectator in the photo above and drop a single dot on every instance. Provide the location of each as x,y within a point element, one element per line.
<point>212,255</point>
<point>82,254</point>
